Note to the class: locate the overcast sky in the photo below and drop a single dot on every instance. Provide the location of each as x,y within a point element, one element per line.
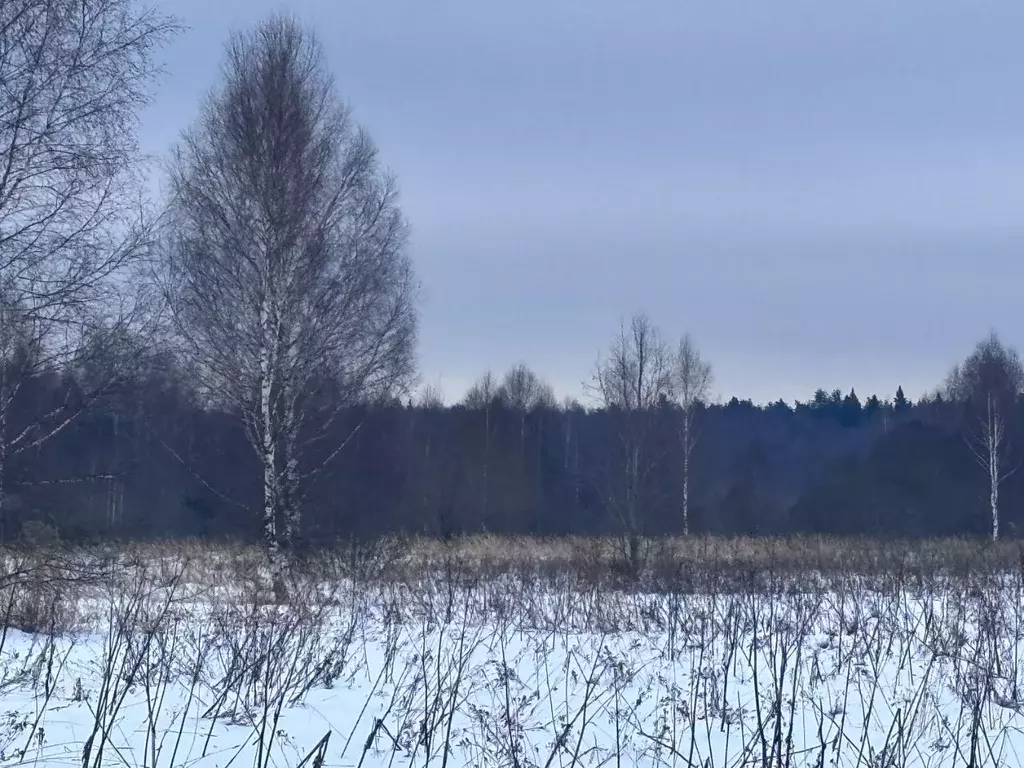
<point>822,194</point>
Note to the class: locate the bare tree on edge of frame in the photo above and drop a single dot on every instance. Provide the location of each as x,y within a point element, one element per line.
<point>988,383</point>
<point>286,264</point>
<point>74,77</point>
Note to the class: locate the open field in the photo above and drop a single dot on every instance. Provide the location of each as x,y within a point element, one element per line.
<point>502,652</point>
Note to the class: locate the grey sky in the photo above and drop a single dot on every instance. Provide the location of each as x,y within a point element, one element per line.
<point>823,194</point>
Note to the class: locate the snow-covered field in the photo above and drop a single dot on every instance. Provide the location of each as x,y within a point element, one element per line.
<point>160,670</point>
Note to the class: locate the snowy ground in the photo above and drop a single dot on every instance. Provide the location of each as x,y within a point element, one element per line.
<point>507,672</point>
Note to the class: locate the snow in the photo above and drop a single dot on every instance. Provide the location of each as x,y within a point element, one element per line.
<point>522,673</point>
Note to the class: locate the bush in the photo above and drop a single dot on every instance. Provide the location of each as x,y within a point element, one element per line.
<point>36,534</point>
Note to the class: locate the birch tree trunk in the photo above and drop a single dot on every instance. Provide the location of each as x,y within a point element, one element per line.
<point>4,400</point>
<point>692,379</point>
<point>994,429</point>
<point>686,489</point>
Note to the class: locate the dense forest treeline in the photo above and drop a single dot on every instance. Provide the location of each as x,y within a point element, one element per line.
<point>151,461</point>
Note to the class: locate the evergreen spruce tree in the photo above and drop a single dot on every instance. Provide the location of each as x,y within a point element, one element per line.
<point>850,411</point>
<point>901,402</point>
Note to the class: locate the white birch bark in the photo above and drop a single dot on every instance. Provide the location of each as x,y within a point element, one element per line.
<point>692,379</point>
<point>268,447</point>
<point>994,434</point>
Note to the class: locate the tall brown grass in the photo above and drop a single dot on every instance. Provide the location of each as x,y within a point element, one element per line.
<point>690,564</point>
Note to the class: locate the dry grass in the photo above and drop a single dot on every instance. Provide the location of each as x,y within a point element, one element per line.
<point>679,564</point>
<point>49,587</point>
<point>791,555</point>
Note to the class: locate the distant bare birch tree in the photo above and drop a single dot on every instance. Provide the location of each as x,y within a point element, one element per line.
<point>523,390</point>
<point>74,75</point>
<point>286,263</point>
<point>430,397</point>
<point>482,394</point>
<point>691,380</point>
<point>634,380</point>
<point>988,383</point>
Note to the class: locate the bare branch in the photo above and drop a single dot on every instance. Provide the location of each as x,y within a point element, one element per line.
<point>482,394</point>
<point>523,390</point>
<point>74,75</point>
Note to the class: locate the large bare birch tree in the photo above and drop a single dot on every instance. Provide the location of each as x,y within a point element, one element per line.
<point>287,268</point>
<point>988,383</point>
<point>691,380</point>
<point>74,76</point>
